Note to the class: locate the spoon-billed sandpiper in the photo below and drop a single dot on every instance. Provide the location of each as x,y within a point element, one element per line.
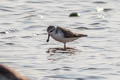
<point>62,35</point>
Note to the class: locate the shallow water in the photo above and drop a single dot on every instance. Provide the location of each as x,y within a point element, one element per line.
<point>23,37</point>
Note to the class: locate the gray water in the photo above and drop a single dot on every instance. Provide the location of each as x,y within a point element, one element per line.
<point>23,35</point>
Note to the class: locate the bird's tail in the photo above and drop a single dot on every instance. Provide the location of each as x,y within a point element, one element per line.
<point>82,35</point>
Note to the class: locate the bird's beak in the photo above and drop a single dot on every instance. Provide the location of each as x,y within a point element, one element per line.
<point>48,38</point>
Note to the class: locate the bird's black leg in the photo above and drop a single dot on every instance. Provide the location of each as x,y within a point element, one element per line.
<point>64,46</point>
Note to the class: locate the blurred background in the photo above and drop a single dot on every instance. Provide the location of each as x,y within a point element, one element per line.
<point>23,35</point>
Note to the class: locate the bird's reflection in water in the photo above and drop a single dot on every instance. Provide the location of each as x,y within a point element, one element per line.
<point>68,50</point>
<point>56,54</point>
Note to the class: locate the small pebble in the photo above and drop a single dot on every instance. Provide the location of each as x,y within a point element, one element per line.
<point>2,32</point>
<point>74,14</point>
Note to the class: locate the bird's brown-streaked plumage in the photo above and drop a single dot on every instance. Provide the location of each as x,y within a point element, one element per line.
<point>68,33</point>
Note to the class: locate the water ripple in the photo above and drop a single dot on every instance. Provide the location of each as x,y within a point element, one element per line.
<point>23,34</point>
<point>37,2</point>
<point>95,28</point>
<point>6,9</point>
<point>99,2</point>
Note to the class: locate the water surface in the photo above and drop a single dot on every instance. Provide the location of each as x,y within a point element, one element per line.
<point>23,37</point>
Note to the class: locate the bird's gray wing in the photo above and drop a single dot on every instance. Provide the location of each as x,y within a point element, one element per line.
<point>67,33</point>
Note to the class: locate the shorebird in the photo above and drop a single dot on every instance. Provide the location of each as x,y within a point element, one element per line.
<point>7,73</point>
<point>62,34</point>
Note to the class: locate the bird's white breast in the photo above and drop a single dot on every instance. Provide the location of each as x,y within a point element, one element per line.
<point>59,36</point>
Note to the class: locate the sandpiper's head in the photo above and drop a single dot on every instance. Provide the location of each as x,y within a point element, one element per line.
<point>50,29</point>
